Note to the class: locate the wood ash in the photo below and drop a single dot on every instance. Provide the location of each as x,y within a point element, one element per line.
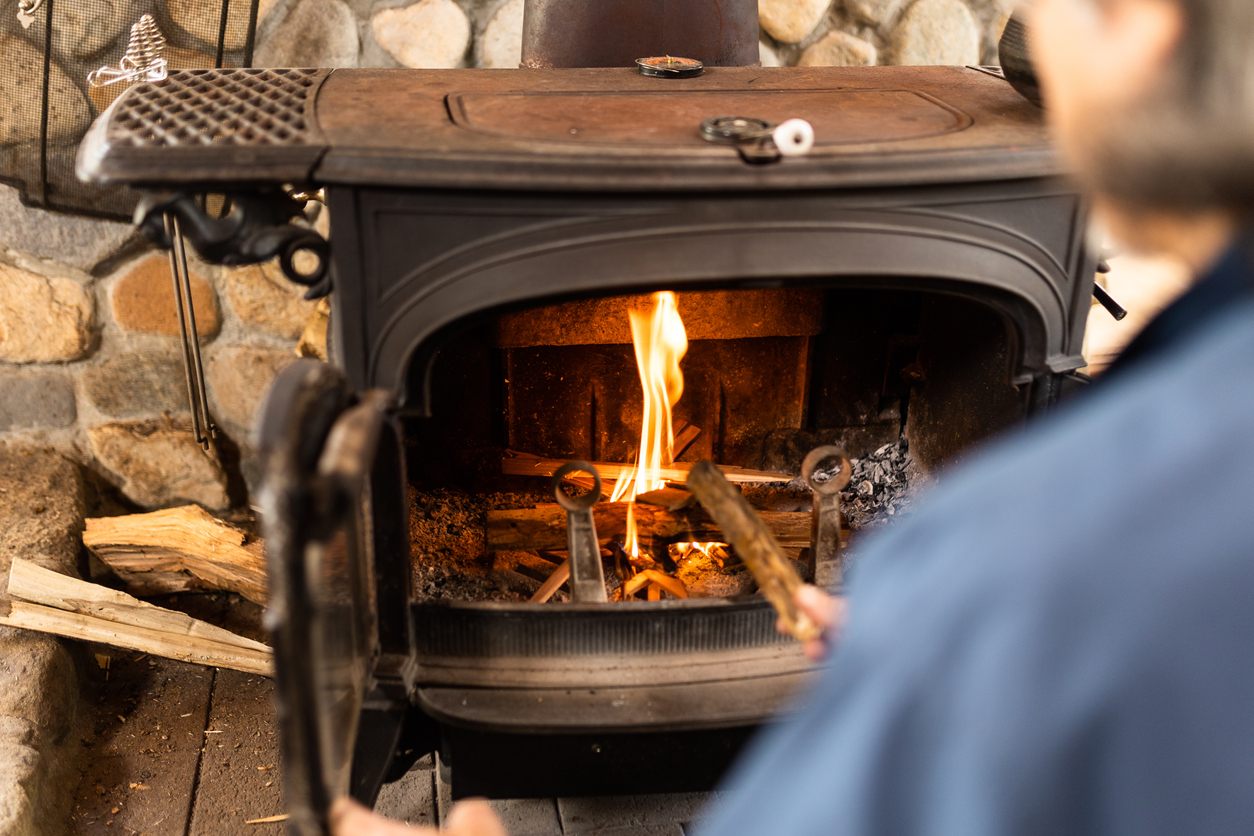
<point>882,486</point>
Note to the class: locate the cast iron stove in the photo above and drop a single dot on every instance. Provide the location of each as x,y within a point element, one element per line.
<point>459,195</point>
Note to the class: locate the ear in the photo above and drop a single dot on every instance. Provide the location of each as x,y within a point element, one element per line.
<point>1142,35</point>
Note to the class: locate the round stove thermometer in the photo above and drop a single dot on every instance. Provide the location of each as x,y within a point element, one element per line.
<point>670,66</point>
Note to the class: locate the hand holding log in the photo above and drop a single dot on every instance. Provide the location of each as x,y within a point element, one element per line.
<point>755,544</point>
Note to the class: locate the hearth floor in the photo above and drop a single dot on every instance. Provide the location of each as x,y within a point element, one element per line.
<point>184,750</point>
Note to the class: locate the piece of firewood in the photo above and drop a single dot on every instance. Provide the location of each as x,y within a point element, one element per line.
<point>672,585</point>
<point>544,527</point>
<point>90,612</point>
<point>672,499</point>
<point>610,471</point>
<point>185,539</point>
<point>685,435</point>
<point>633,585</point>
<point>560,575</point>
<point>750,535</point>
<point>37,585</point>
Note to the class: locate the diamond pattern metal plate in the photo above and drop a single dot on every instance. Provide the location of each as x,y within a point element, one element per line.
<point>234,107</point>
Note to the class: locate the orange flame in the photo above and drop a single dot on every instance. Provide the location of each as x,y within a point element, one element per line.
<point>660,342</point>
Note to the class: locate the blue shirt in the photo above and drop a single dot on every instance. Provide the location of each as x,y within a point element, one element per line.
<point>1059,639</point>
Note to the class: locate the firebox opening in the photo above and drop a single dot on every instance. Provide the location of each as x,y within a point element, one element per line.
<point>903,380</point>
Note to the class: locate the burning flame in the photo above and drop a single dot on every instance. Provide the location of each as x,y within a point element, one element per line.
<point>660,342</point>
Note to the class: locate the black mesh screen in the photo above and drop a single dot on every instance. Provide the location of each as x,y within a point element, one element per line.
<point>46,103</point>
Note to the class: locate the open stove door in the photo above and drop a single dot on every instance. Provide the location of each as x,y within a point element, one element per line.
<point>338,617</point>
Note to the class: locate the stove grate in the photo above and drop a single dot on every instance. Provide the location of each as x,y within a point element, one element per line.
<point>219,107</point>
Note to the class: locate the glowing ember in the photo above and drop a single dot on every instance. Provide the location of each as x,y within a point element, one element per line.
<point>714,551</point>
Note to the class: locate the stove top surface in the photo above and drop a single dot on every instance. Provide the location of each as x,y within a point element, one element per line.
<point>565,130</point>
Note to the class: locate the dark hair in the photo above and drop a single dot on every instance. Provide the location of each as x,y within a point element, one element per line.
<point>1190,144</point>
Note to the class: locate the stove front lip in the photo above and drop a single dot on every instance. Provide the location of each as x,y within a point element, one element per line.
<point>629,667</point>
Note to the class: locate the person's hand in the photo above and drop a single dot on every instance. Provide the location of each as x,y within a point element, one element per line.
<point>468,818</point>
<point>825,611</point>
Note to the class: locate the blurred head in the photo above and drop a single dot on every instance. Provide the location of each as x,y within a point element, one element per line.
<point>1152,101</point>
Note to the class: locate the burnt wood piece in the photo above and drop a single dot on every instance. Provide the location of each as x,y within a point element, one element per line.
<point>545,527</point>
<point>672,499</point>
<point>572,129</point>
<point>740,390</point>
<point>610,471</point>
<point>707,315</point>
<point>750,535</point>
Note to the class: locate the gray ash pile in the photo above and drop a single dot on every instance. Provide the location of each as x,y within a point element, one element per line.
<point>881,487</point>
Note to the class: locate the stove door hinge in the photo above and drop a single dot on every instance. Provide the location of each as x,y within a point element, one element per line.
<point>256,228</point>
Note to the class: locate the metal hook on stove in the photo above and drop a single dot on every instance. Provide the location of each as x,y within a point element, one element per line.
<point>198,401</point>
<point>825,515</point>
<point>587,577</point>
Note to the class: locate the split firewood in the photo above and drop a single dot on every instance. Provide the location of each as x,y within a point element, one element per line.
<point>544,527</point>
<point>672,499</point>
<point>555,581</point>
<point>633,585</point>
<point>685,435</point>
<point>652,578</point>
<point>179,549</point>
<point>522,465</point>
<point>751,536</point>
<point>672,585</point>
<point>49,602</point>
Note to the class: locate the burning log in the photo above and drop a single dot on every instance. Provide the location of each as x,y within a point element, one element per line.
<point>751,536</point>
<point>521,465</point>
<point>544,527</point>
<point>179,549</point>
<point>672,499</point>
<point>49,602</point>
<point>657,583</point>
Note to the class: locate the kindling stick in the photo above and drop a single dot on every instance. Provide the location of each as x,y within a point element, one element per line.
<point>755,544</point>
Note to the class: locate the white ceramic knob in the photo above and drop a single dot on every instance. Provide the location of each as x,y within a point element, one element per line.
<point>793,137</point>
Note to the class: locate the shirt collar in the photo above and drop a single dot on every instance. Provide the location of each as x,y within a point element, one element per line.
<point>1228,282</point>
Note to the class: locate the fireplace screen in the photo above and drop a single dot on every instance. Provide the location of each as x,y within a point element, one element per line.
<point>53,47</point>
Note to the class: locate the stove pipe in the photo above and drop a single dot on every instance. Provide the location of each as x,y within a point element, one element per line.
<point>614,33</point>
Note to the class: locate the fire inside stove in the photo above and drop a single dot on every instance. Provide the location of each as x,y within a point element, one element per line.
<point>643,387</point>
<point>660,343</point>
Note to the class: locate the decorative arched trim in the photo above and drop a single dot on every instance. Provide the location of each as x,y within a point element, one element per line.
<point>873,249</point>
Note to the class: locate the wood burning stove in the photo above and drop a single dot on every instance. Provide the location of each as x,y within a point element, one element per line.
<point>461,199</point>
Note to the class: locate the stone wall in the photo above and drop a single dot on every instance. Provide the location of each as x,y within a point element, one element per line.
<point>488,33</point>
<point>90,364</point>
